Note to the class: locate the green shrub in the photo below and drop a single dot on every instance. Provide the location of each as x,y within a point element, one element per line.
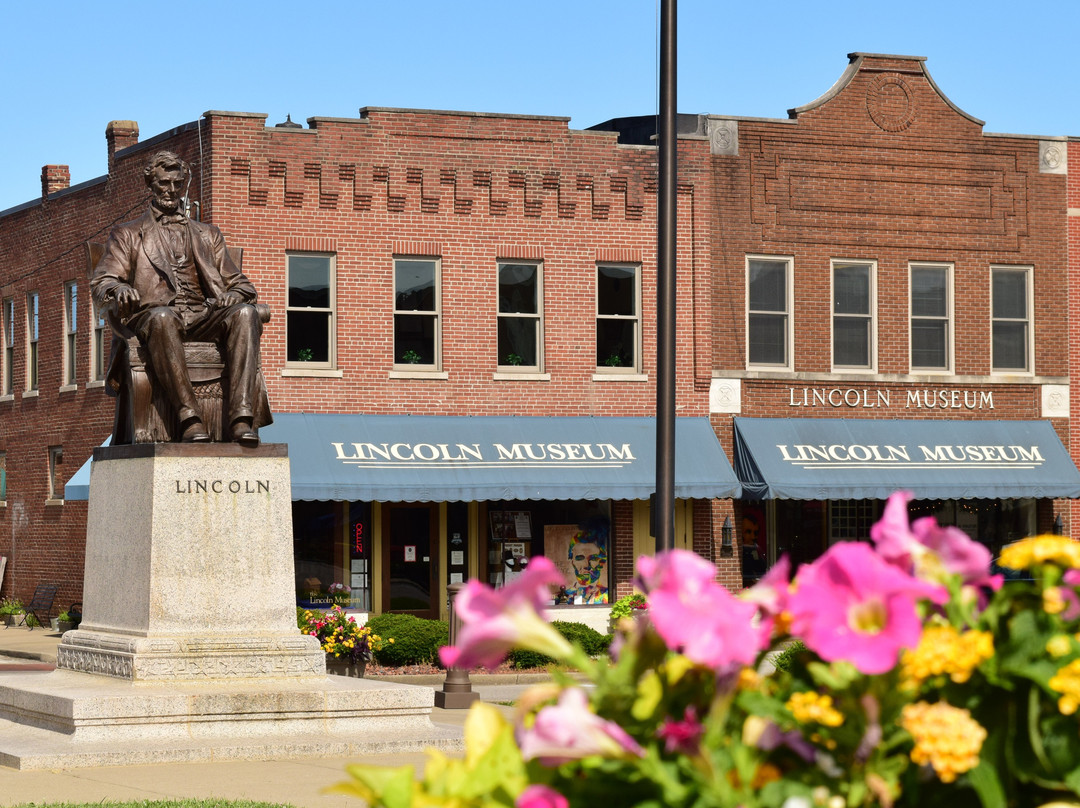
<point>415,641</point>
<point>592,642</point>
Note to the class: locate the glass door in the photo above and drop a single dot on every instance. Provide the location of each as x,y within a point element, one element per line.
<point>410,553</point>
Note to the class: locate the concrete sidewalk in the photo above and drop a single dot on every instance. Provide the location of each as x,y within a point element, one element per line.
<point>291,782</point>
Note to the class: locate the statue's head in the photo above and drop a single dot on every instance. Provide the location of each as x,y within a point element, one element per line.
<point>167,176</point>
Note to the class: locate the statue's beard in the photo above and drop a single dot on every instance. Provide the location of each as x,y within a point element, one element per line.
<point>167,205</point>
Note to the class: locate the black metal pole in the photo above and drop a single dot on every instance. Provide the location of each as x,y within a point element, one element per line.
<point>664,502</point>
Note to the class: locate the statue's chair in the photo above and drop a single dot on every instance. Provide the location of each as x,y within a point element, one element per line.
<point>143,413</point>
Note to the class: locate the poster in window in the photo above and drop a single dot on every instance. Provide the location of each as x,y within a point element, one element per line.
<point>510,525</point>
<point>581,554</point>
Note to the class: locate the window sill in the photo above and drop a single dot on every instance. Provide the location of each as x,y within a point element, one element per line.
<point>620,377</point>
<point>51,503</point>
<point>520,376</point>
<point>419,374</point>
<point>324,373</point>
<point>69,388</point>
<point>3,503</point>
<point>95,383</point>
<point>8,397</point>
<point>31,393</point>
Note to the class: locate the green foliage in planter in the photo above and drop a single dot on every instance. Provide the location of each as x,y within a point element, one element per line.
<point>11,606</point>
<point>592,642</point>
<point>626,606</point>
<point>416,641</point>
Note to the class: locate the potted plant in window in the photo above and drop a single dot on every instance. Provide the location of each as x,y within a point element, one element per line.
<point>410,357</point>
<point>339,593</point>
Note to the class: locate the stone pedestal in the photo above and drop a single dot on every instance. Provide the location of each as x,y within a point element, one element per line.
<point>188,648</point>
<point>189,567</point>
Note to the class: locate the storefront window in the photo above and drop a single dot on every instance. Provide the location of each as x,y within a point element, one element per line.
<point>332,554</point>
<point>574,535</point>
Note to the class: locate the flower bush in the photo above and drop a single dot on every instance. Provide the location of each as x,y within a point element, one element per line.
<point>339,634</point>
<point>628,605</point>
<point>912,677</point>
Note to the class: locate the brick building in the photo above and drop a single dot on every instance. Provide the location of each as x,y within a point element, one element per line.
<point>429,274</point>
<point>869,299</point>
<point>889,298</point>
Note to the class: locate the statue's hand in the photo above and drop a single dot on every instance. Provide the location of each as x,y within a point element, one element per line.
<point>126,299</point>
<point>229,299</point>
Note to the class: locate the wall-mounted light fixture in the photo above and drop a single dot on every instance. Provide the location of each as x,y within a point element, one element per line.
<point>726,533</point>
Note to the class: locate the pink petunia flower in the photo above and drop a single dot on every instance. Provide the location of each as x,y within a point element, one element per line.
<point>850,604</point>
<point>569,730</point>
<point>681,736</point>
<point>696,616</point>
<point>927,549</point>
<point>540,796</point>
<point>496,620</point>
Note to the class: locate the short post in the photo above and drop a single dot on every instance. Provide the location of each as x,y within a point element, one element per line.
<point>457,692</point>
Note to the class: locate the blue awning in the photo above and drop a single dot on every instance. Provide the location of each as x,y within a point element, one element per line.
<point>415,458</point>
<point>825,458</point>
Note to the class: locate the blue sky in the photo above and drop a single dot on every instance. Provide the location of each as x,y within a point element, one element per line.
<point>67,68</point>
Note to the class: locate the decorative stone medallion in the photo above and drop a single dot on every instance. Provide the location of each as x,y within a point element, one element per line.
<point>723,137</point>
<point>1052,157</point>
<point>890,102</point>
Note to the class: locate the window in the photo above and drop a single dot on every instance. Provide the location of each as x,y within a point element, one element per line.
<point>519,320</point>
<point>56,457</point>
<point>71,305</point>
<point>853,318</point>
<point>33,326</point>
<point>97,344</point>
<point>9,347</point>
<point>1010,319</point>
<point>309,311</point>
<point>768,330</point>
<point>3,476</point>
<point>931,336</point>
<point>417,341</point>
<point>618,318</point>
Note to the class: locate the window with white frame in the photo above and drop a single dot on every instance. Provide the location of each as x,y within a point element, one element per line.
<point>417,303</point>
<point>56,457</point>
<point>97,343</point>
<point>9,346</point>
<point>853,314</point>
<point>520,324</point>
<point>618,318</point>
<point>768,311</point>
<point>33,333</point>
<point>3,476</point>
<point>1010,294</point>
<point>931,312</point>
<point>309,310</point>
<point>71,306</point>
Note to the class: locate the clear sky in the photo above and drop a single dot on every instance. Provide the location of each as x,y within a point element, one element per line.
<point>68,67</point>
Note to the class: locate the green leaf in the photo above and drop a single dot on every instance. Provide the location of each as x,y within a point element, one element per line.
<point>379,786</point>
<point>985,781</point>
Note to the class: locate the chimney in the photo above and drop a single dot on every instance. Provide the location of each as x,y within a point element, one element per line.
<point>119,135</point>
<point>53,179</point>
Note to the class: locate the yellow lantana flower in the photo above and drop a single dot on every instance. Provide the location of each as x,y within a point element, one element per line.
<point>812,707</point>
<point>946,737</point>
<point>943,651</point>
<point>1067,682</point>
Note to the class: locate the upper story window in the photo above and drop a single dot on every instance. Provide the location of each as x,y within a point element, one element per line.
<point>3,477</point>
<point>97,344</point>
<point>310,310</point>
<point>768,312</point>
<point>618,318</point>
<point>33,334</point>
<point>71,308</point>
<point>1010,294</point>
<point>931,313</point>
<point>417,305</point>
<point>8,379</point>
<point>853,314</point>
<point>520,321</point>
<point>56,457</point>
